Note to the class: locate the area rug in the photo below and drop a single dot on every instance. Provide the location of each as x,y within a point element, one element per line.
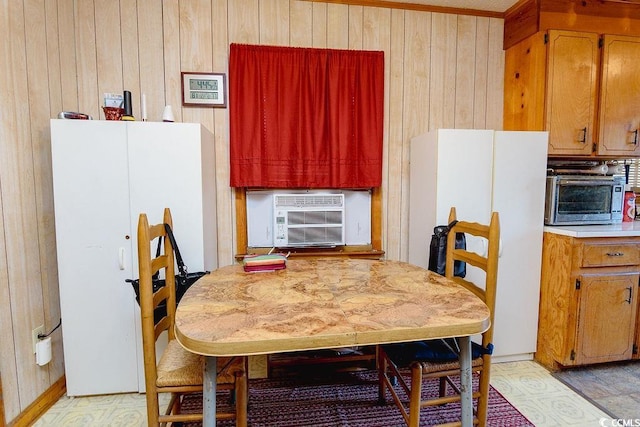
<point>346,399</point>
<point>612,387</point>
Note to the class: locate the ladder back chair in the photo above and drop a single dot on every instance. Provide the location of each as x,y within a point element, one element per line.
<point>176,371</point>
<point>439,358</point>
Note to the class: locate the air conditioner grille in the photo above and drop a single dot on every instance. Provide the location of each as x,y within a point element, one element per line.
<point>314,235</point>
<point>309,200</point>
<point>314,217</point>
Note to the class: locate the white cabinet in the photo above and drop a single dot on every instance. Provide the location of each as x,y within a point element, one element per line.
<point>105,173</point>
<point>480,171</point>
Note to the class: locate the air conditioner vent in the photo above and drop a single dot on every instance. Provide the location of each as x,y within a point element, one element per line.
<point>310,201</point>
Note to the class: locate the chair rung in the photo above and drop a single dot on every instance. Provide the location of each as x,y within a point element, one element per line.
<point>179,417</point>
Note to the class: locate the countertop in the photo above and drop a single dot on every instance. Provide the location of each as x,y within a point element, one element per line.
<point>625,229</point>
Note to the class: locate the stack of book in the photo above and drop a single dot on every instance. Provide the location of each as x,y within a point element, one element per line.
<point>269,262</point>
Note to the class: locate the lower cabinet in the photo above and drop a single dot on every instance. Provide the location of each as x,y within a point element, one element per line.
<point>588,300</point>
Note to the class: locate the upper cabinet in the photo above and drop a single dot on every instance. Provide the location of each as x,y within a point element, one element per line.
<point>582,87</point>
<point>572,68</point>
<point>619,117</point>
<point>570,107</point>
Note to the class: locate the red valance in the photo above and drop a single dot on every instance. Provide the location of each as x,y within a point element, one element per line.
<point>305,118</point>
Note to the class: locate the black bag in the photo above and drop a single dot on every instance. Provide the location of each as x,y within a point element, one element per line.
<point>438,250</point>
<point>183,279</point>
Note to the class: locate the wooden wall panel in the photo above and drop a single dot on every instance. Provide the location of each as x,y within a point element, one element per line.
<point>196,51</point>
<point>441,70</point>
<point>355,27</point>
<point>151,59</point>
<point>396,147</point>
<point>86,57</point>
<point>337,21</point>
<point>479,116</point>
<point>54,68</point>
<point>45,264</point>
<point>109,51</point>
<point>496,66</point>
<point>20,210</point>
<point>68,59</point>
<point>8,132</point>
<point>441,112</point>
<point>225,197</point>
<point>130,48</point>
<point>465,49</point>
<point>274,23</point>
<point>171,51</point>
<point>319,25</point>
<point>300,21</point>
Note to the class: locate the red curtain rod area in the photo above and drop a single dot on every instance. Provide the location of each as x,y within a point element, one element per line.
<point>305,117</point>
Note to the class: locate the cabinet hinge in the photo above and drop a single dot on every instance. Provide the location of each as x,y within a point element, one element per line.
<point>572,356</point>
<point>593,148</point>
<point>600,42</point>
<point>577,283</point>
<point>546,38</point>
<point>635,349</point>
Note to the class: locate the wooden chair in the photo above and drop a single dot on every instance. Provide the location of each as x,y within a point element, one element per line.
<point>177,371</point>
<point>391,357</point>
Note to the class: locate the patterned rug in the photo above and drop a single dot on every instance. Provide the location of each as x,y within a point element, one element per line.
<point>612,387</point>
<point>345,399</point>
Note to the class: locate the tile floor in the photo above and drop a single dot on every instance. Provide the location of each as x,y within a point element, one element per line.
<point>528,386</point>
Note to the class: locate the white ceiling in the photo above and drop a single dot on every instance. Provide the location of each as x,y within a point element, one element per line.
<point>489,5</point>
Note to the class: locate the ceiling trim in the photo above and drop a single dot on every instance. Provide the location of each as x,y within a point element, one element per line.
<point>414,6</point>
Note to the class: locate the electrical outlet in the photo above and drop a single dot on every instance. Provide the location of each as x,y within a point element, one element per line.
<point>34,336</point>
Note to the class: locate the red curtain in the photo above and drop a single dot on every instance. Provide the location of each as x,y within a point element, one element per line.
<point>305,118</point>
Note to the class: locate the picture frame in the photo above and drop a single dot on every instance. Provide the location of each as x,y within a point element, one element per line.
<point>204,90</point>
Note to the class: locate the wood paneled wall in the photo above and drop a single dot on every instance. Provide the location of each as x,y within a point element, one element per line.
<point>441,70</point>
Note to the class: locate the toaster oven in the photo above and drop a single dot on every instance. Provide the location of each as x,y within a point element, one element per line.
<point>584,199</point>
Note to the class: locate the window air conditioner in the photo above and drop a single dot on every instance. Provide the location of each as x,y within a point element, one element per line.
<point>308,219</point>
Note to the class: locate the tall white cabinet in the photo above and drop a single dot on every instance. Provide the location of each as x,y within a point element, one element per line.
<point>105,173</point>
<point>480,171</point>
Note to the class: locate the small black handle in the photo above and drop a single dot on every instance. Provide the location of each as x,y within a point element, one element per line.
<point>584,135</point>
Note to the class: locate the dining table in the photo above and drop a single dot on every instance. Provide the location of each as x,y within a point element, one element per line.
<point>324,303</point>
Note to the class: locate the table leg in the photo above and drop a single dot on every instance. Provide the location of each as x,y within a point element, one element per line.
<point>209,392</point>
<point>466,387</point>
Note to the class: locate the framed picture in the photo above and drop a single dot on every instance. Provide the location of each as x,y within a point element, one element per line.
<point>204,90</point>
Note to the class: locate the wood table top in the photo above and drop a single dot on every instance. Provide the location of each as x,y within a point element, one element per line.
<point>323,303</point>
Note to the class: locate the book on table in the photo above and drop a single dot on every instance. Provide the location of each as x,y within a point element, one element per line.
<point>266,262</point>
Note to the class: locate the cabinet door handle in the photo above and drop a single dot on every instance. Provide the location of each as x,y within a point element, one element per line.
<point>635,137</point>
<point>584,135</point>
<point>615,254</point>
<point>121,258</point>
<point>628,300</point>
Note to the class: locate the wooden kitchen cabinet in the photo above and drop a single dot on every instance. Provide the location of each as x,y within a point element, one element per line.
<point>620,97</point>
<point>582,87</point>
<point>588,300</point>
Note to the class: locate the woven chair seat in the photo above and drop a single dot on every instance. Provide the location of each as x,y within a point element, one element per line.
<point>178,367</point>
<point>454,365</point>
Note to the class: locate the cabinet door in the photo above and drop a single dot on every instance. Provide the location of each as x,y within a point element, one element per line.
<point>572,65</point>
<point>91,197</point>
<point>606,317</point>
<point>620,97</point>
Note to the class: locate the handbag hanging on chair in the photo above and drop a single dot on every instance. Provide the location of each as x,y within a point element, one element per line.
<point>184,279</point>
<point>438,250</point>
